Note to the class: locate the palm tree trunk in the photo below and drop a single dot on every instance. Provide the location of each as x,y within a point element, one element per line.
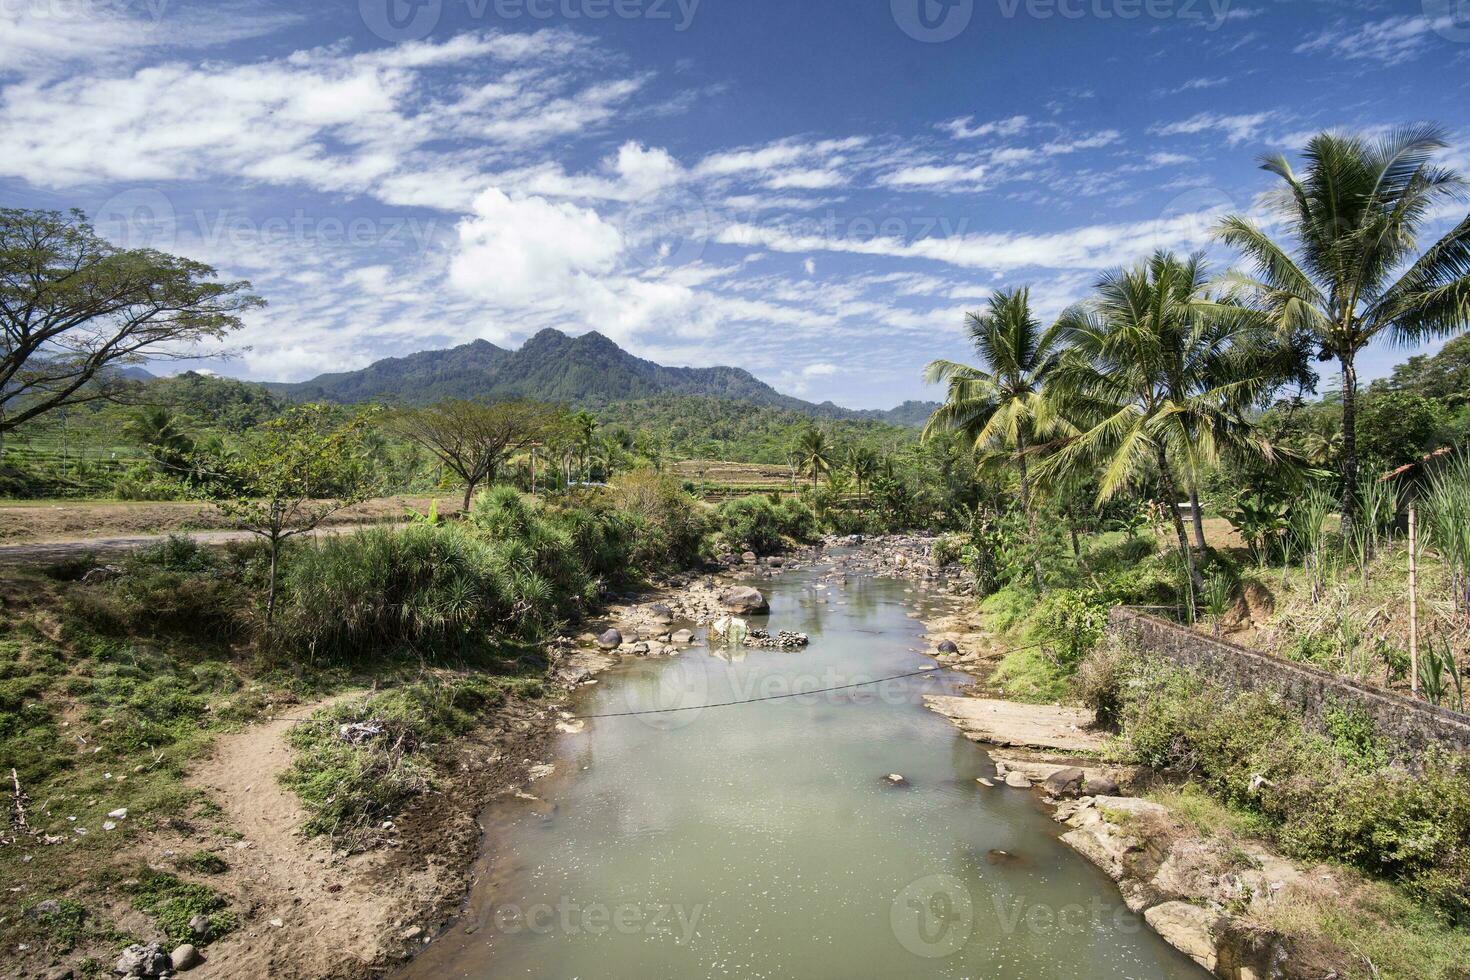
<point>1030,517</point>
<point>1072,527</point>
<point>1199,519</point>
<point>1349,446</point>
<point>1171,494</point>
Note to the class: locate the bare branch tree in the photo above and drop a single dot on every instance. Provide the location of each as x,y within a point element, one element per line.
<point>474,439</point>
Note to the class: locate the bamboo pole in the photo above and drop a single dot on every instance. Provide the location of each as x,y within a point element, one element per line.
<point>1414,596</point>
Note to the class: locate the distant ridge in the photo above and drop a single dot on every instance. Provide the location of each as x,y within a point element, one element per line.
<point>585,371</point>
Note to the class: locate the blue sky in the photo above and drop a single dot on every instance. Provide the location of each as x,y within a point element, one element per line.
<point>816,190</point>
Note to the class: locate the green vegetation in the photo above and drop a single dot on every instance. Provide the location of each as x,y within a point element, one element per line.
<point>1329,794</point>
<point>350,783</point>
<point>172,902</point>
<point>756,524</point>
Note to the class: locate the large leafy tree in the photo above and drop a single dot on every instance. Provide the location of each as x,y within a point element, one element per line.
<point>75,311</point>
<point>999,407</point>
<point>1350,268</point>
<point>1161,380</point>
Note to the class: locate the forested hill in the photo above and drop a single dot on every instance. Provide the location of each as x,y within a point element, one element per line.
<point>587,371</point>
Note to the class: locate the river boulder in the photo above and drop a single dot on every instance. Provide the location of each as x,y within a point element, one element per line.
<point>683,638</point>
<point>949,647</point>
<point>610,640</point>
<point>660,613</point>
<point>1064,782</point>
<point>744,601</point>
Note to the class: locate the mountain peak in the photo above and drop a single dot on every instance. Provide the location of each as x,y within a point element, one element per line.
<point>587,370</point>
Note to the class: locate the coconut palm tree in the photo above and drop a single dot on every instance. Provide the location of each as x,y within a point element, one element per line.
<point>585,426</point>
<point>1350,269</point>
<point>1165,378</point>
<point>863,463</point>
<point>814,454</point>
<point>999,407</point>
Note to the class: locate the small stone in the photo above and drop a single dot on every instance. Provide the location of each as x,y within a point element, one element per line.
<point>201,928</point>
<point>985,782</point>
<point>749,558</point>
<point>119,814</point>
<point>894,779</point>
<point>660,613</point>
<point>1016,780</point>
<point>949,647</point>
<point>277,924</point>
<point>413,932</point>
<point>683,638</point>
<point>610,640</point>
<point>185,957</point>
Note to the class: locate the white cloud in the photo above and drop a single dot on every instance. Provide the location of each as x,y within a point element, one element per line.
<point>1237,128</point>
<point>936,177</point>
<point>961,129</point>
<point>1088,247</point>
<point>1169,159</point>
<point>44,37</point>
<point>516,251</point>
<point>819,370</point>
<point>810,265</point>
<point>806,180</point>
<point>1389,41</point>
<point>324,118</point>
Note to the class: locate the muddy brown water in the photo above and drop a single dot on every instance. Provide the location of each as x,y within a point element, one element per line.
<point>765,840</point>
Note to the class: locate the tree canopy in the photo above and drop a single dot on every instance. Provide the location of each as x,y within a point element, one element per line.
<point>75,311</point>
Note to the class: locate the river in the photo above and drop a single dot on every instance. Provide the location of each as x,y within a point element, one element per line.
<point>765,841</point>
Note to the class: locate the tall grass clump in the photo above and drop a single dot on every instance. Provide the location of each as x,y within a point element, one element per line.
<point>1447,523</point>
<point>512,570</point>
<point>1378,508</point>
<point>1308,537</point>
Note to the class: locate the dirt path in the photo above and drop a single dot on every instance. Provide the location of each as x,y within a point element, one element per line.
<point>119,524</point>
<point>46,552</point>
<point>330,911</point>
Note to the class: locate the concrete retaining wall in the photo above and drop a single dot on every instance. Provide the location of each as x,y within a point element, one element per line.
<point>1413,725</point>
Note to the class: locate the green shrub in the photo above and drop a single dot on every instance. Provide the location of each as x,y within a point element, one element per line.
<point>1068,623</point>
<point>1330,794</point>
<point>756,524</point>
<point>205,863</point>
<point>174,587</point>
<point>172,902</point>
<point>668,527</point>
<point>511,571</point>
